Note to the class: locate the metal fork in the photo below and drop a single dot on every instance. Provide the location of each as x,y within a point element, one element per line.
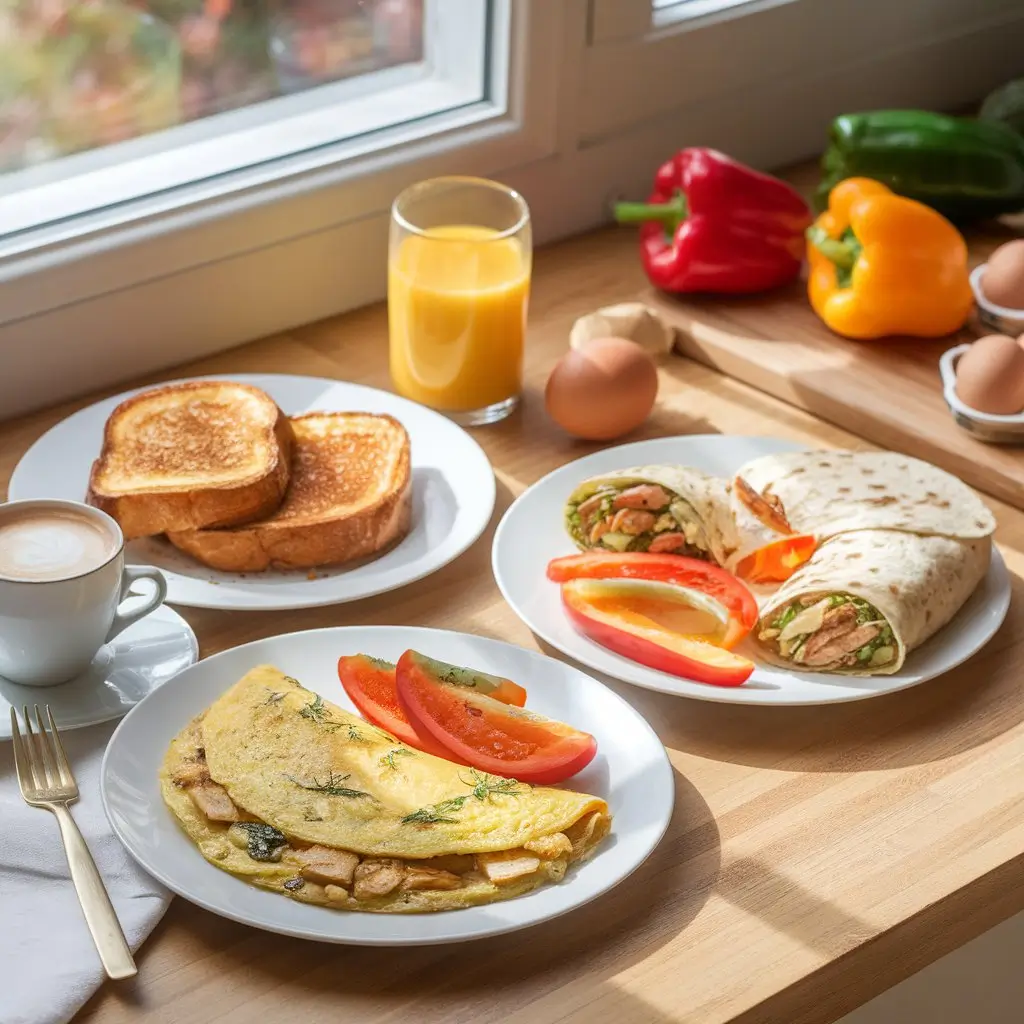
<point>46,780</point>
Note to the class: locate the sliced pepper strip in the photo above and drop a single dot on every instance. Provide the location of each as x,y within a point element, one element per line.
<point>684,572</point>
<point>776,562</point>
<point>600,613</point>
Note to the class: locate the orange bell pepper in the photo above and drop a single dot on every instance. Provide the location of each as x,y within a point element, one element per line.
<point>882,264</point>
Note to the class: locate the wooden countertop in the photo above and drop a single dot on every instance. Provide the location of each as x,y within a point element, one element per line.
<point>816,855</point>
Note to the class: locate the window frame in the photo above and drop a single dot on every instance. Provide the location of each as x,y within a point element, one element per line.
<point>599,93</point>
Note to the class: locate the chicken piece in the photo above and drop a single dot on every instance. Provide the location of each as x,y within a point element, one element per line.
<point>836,623</point>
<point>645,496</point>
<point>336,894</point>
<point>192,773</point>
<point>213,801</point>
<point>766,508</point>
<point>845,643</point>
<point>667,542</point>
<point>326,865</point>
<point>586,509</point>
<point>631,521</point>
<point>417,878</point>
<point>550,847</point>
<point>508,866</point>
<point>377,878</point>
<point>456,863</point>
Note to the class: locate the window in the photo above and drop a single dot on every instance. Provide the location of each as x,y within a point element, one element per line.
<point>118,99</point>
<point>181,176</point>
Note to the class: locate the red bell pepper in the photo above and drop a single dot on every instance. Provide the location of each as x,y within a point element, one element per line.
<point>665,568</point>
<point>637,628</point>
<point>714,225</point>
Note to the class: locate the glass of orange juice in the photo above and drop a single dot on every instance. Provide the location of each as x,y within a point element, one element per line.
<point>458,288</point>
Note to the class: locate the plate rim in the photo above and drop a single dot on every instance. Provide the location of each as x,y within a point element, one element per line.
<point>217,598</point>
<point>716,695</point>
<point>664,766</point>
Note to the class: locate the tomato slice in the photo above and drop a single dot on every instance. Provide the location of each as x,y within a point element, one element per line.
<point>644,631</point>
<point>485,733</point>
<point>686,572</point>
<point>370,682</point>
<point>776,562</point>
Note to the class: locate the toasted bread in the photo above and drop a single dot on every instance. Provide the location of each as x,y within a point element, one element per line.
<point>349,497</point>
<point>186,456</point>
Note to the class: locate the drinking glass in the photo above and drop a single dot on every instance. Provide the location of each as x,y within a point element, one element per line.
<point>458,288</point>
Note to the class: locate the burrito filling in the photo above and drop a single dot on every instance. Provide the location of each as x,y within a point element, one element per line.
<point>832,632</point>
<point>641,517</point>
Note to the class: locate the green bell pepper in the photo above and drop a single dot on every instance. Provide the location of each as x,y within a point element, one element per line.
<point>963,168</point>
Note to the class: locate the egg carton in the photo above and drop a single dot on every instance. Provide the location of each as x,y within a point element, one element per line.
<point>983,425</point>
<point>998,319</point>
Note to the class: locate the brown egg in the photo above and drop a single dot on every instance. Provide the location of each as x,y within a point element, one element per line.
<point>990,376</point>
<point>1003,280</point>
<point>604,390</point>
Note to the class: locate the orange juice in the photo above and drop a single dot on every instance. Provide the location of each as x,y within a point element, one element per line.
<point>457,298</point>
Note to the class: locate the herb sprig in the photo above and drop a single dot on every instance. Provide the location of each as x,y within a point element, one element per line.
<point>315,710</point>
<point>334,786</point>
<point>483,786</point>
<point>388,760</point>
<point>435,814</point>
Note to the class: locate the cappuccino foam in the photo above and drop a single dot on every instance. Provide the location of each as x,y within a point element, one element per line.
<point>51,544</point>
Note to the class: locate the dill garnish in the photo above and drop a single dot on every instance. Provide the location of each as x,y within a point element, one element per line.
<point>314,710</point>
<point>484,785</point>
<point>292,680</point>
<point>388,760</point>
<point>274,698</point>
<point>334,786</point>
<point>436,813</point>
<point>354,733</point>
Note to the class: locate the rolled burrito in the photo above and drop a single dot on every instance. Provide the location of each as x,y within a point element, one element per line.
<point>660,509</point>
<point>826,493</point>
<point>867,599</point>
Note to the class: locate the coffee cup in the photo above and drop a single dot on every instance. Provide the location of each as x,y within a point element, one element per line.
<point>64,589</point>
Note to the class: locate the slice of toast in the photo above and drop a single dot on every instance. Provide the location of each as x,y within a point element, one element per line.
<point>185,456</point>
<point>349,497</point>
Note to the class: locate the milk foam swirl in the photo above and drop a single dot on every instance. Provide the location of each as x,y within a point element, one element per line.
<point>50,545</point>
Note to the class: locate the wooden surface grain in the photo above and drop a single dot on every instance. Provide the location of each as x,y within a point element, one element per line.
<point>815,857</point>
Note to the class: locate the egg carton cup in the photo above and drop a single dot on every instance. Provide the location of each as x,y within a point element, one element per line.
<point>984,426</point>
<point>998,319</point>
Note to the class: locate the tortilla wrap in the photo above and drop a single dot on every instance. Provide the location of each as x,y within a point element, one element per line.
<point>915,583</point>
<point>831,492</point>
<point>694,515</point>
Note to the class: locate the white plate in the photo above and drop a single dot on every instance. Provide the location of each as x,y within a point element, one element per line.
<point>453,498</point>
<point>143,657</point>
<point>532,533</point>
<point>631,771</point>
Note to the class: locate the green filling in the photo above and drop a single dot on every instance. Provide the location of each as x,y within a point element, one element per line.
<point>866,612</point>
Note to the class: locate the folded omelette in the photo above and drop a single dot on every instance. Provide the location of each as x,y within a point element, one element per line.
<point>279,787</point>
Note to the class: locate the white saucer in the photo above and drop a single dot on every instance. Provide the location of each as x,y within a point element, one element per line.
<point>141,659</point>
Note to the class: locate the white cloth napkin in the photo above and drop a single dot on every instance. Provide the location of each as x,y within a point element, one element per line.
<point>48,962</point>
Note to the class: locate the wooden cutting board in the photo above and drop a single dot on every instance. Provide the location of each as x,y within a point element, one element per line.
<point>888,392</point>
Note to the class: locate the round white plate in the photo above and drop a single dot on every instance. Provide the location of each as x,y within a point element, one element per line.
<point>532,533</point>
<point>631,771</point>
<point>124,671</point>
<point>453,498</point>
